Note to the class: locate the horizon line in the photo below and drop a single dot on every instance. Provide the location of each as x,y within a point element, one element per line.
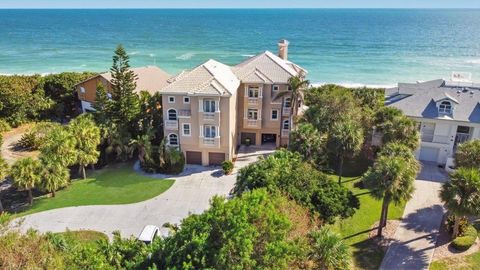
<point>239,8</point>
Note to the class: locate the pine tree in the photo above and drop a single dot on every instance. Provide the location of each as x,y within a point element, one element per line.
<point>125,106</point>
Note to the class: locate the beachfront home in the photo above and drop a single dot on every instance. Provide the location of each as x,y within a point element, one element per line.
<point>448,113</point>
<point>149,78</point>
<point>213,108</point>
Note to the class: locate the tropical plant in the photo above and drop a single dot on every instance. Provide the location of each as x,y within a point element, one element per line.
<point>59,147</point>
<point>87,139</point>
<point>328,251</point>
<point>4,170</point>
<point>25,175</point>
<point>396,127</point>
<point>392,179</point>
<point>143,145</point>
<point>468,154</point>
<point>53,176</point>
<point>307,141</point>
<point>172,160</point>
<point>461,195</point>
<point>345,139</point>
<point>286,172</point>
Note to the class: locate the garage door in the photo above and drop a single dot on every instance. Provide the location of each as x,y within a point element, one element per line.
<point>216,158</point>
<point>194,157</point>
<point>429,154</point>
<point>250,136</point>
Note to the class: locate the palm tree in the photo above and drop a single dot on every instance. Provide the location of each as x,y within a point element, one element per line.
<point>391,179</point>
<point>25,174</point>
<point>345,138</point>
<point>143,145</point>
<point>59,146</point>
<point>87,139</point>
<point>298,85</point>
<point>54,176</point>
<point>328,250</point>
<point>462,194</point>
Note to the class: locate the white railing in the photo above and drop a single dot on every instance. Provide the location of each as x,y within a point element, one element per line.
<point>171,124</point>
<point>209,116</point>
<point>209,141</point>
<point>285,132</point>
<point>253,101</point>
<point>252,123</point>
<point>286,111</point>
<point>185,113</point>
<point>461,138</point>
<point>435,138</point>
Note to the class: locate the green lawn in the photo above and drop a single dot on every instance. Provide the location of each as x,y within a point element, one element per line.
<point>108,186</point>
<point>355,230</point>
<point>469,262</point>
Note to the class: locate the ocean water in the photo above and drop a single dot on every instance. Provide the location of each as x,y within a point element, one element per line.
<point>348,46</point>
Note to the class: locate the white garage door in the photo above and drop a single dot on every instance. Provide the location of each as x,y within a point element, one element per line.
<point>429,154</point>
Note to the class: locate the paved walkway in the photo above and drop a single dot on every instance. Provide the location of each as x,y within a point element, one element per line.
<point>417,234</point>
<point>190,193</point>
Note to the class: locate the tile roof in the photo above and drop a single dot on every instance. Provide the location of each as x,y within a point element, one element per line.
<point>419,100</point>
<point>209,78</point>
<point>149,78</point>
<point>266,68</point>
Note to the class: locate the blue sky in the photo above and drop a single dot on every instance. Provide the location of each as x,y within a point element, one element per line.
<point>239,3</point>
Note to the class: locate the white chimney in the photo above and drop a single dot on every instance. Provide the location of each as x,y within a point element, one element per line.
<point>283,49</point>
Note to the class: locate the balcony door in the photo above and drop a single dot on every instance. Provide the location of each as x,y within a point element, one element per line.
<point>209,105</point>
<point>209,131</point>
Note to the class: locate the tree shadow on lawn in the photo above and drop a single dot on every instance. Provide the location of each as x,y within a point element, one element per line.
<point>367,254</point>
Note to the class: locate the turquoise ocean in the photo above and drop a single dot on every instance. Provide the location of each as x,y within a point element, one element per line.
<point>347,46</point>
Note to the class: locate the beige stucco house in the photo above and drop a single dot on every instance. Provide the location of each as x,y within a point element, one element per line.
<point>212,109</point>
<point>447,112</point>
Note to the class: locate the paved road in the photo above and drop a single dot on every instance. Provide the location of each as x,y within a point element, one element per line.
<point>417,234</point>
<point>190,193</point>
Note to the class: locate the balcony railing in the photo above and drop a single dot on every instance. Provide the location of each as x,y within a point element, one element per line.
<point>209,116</point>
<point>209,141</point>
<point>252,122</point>
<point>435,138</point>
<point>285,133</point>
<point>171,124</point>
<point>286,111</point>
<point>253,101</point>
<point>185,113</point>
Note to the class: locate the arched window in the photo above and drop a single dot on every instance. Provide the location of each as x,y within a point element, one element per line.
<point>288,103</point>
<point>173,139</point>
<point>286,125</point>
<point>445,107</point>
<point>172,114</point>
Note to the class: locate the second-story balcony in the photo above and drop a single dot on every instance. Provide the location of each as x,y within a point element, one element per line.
<point>285,133</point>
<point>254,100</point>
<point>435,138</point>
<point>286,111</point>
<point>171,124</point>
<point>184,113</point>
<point>252,123</point>
<point>210,142</point>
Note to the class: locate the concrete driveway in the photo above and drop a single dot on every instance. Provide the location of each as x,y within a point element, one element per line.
<point>190,193</point>
<point>417,233</point>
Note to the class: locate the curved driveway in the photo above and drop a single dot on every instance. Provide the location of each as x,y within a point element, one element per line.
<point>190,193</point>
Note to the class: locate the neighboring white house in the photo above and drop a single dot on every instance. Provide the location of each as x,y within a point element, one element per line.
<point>448,113</point>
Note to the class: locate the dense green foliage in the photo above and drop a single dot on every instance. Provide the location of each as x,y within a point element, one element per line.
<point>28,98</point>
<point>87,139</point>
<point>285,171</point>
<point>328,250</point>
<point>307,141</point>
<point>227,167</point>
<point>468,154</point>
<point>396,127</point>
<point>461,194</point>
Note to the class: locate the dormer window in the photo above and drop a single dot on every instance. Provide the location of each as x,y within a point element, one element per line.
<point>445,107</point>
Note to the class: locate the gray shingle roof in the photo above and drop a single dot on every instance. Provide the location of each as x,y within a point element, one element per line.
<point>420,100</point>
<point>149,78</point>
